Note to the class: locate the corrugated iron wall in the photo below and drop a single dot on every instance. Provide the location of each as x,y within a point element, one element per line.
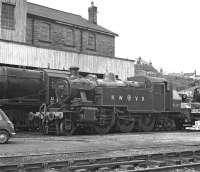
<point>18,54</point>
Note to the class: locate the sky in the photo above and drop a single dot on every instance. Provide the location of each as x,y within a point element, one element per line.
<point>165,32</point>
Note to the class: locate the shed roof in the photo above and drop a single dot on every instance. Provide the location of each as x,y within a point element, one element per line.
<point>66,18</point>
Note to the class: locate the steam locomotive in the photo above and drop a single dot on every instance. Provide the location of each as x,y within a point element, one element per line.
<point>67,101</point>
<point>23,91</point>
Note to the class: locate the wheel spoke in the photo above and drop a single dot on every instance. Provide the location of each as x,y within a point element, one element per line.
<point>147,123</point>
<point>106,121</point>
<point>67,127</point>
<point>170,124</point>
<point>125,125</point>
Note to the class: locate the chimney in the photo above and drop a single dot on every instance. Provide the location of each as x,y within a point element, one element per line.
<point>92,13</point>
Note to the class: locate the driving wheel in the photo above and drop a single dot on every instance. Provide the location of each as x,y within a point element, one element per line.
<point>125,124</point>
<point>106,121</point>
<point>147,123</point>
<point>67,127</point>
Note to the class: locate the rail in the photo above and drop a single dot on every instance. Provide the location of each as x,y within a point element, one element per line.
<point>139,163</point>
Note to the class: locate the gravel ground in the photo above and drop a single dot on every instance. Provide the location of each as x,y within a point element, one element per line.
<point>95,146</point>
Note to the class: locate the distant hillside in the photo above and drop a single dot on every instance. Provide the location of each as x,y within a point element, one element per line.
<point>181,83</point>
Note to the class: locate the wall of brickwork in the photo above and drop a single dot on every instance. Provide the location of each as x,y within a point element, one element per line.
<point>105,45</point>
<point>45,33</point>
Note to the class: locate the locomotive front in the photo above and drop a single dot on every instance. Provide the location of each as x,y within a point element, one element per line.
<point>73,104</point>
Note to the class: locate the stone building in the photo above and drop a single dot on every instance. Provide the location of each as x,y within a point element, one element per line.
<point>37,36</point>
<point>144,68</point>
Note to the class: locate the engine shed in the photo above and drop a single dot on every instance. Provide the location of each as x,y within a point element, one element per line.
<point>35,36</point>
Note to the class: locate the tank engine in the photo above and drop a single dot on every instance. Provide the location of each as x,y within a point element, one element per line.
<point>104,104</point>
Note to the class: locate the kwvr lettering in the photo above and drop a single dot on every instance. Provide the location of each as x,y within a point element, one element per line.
<point>113,97</point>
<point>121,98</point>
<point>128,98</point>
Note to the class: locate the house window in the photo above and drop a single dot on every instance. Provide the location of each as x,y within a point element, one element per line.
<point>91,41</point>
<point>8,16</point>
<point>45,32</point>
<point>69,37</point>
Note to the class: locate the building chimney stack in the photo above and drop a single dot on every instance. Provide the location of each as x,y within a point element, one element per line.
<point>92,13</point>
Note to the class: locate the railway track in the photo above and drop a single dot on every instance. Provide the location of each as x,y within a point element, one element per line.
<point>189,160</point>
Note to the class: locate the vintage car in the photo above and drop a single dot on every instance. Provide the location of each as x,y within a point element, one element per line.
<point>6,128</point>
